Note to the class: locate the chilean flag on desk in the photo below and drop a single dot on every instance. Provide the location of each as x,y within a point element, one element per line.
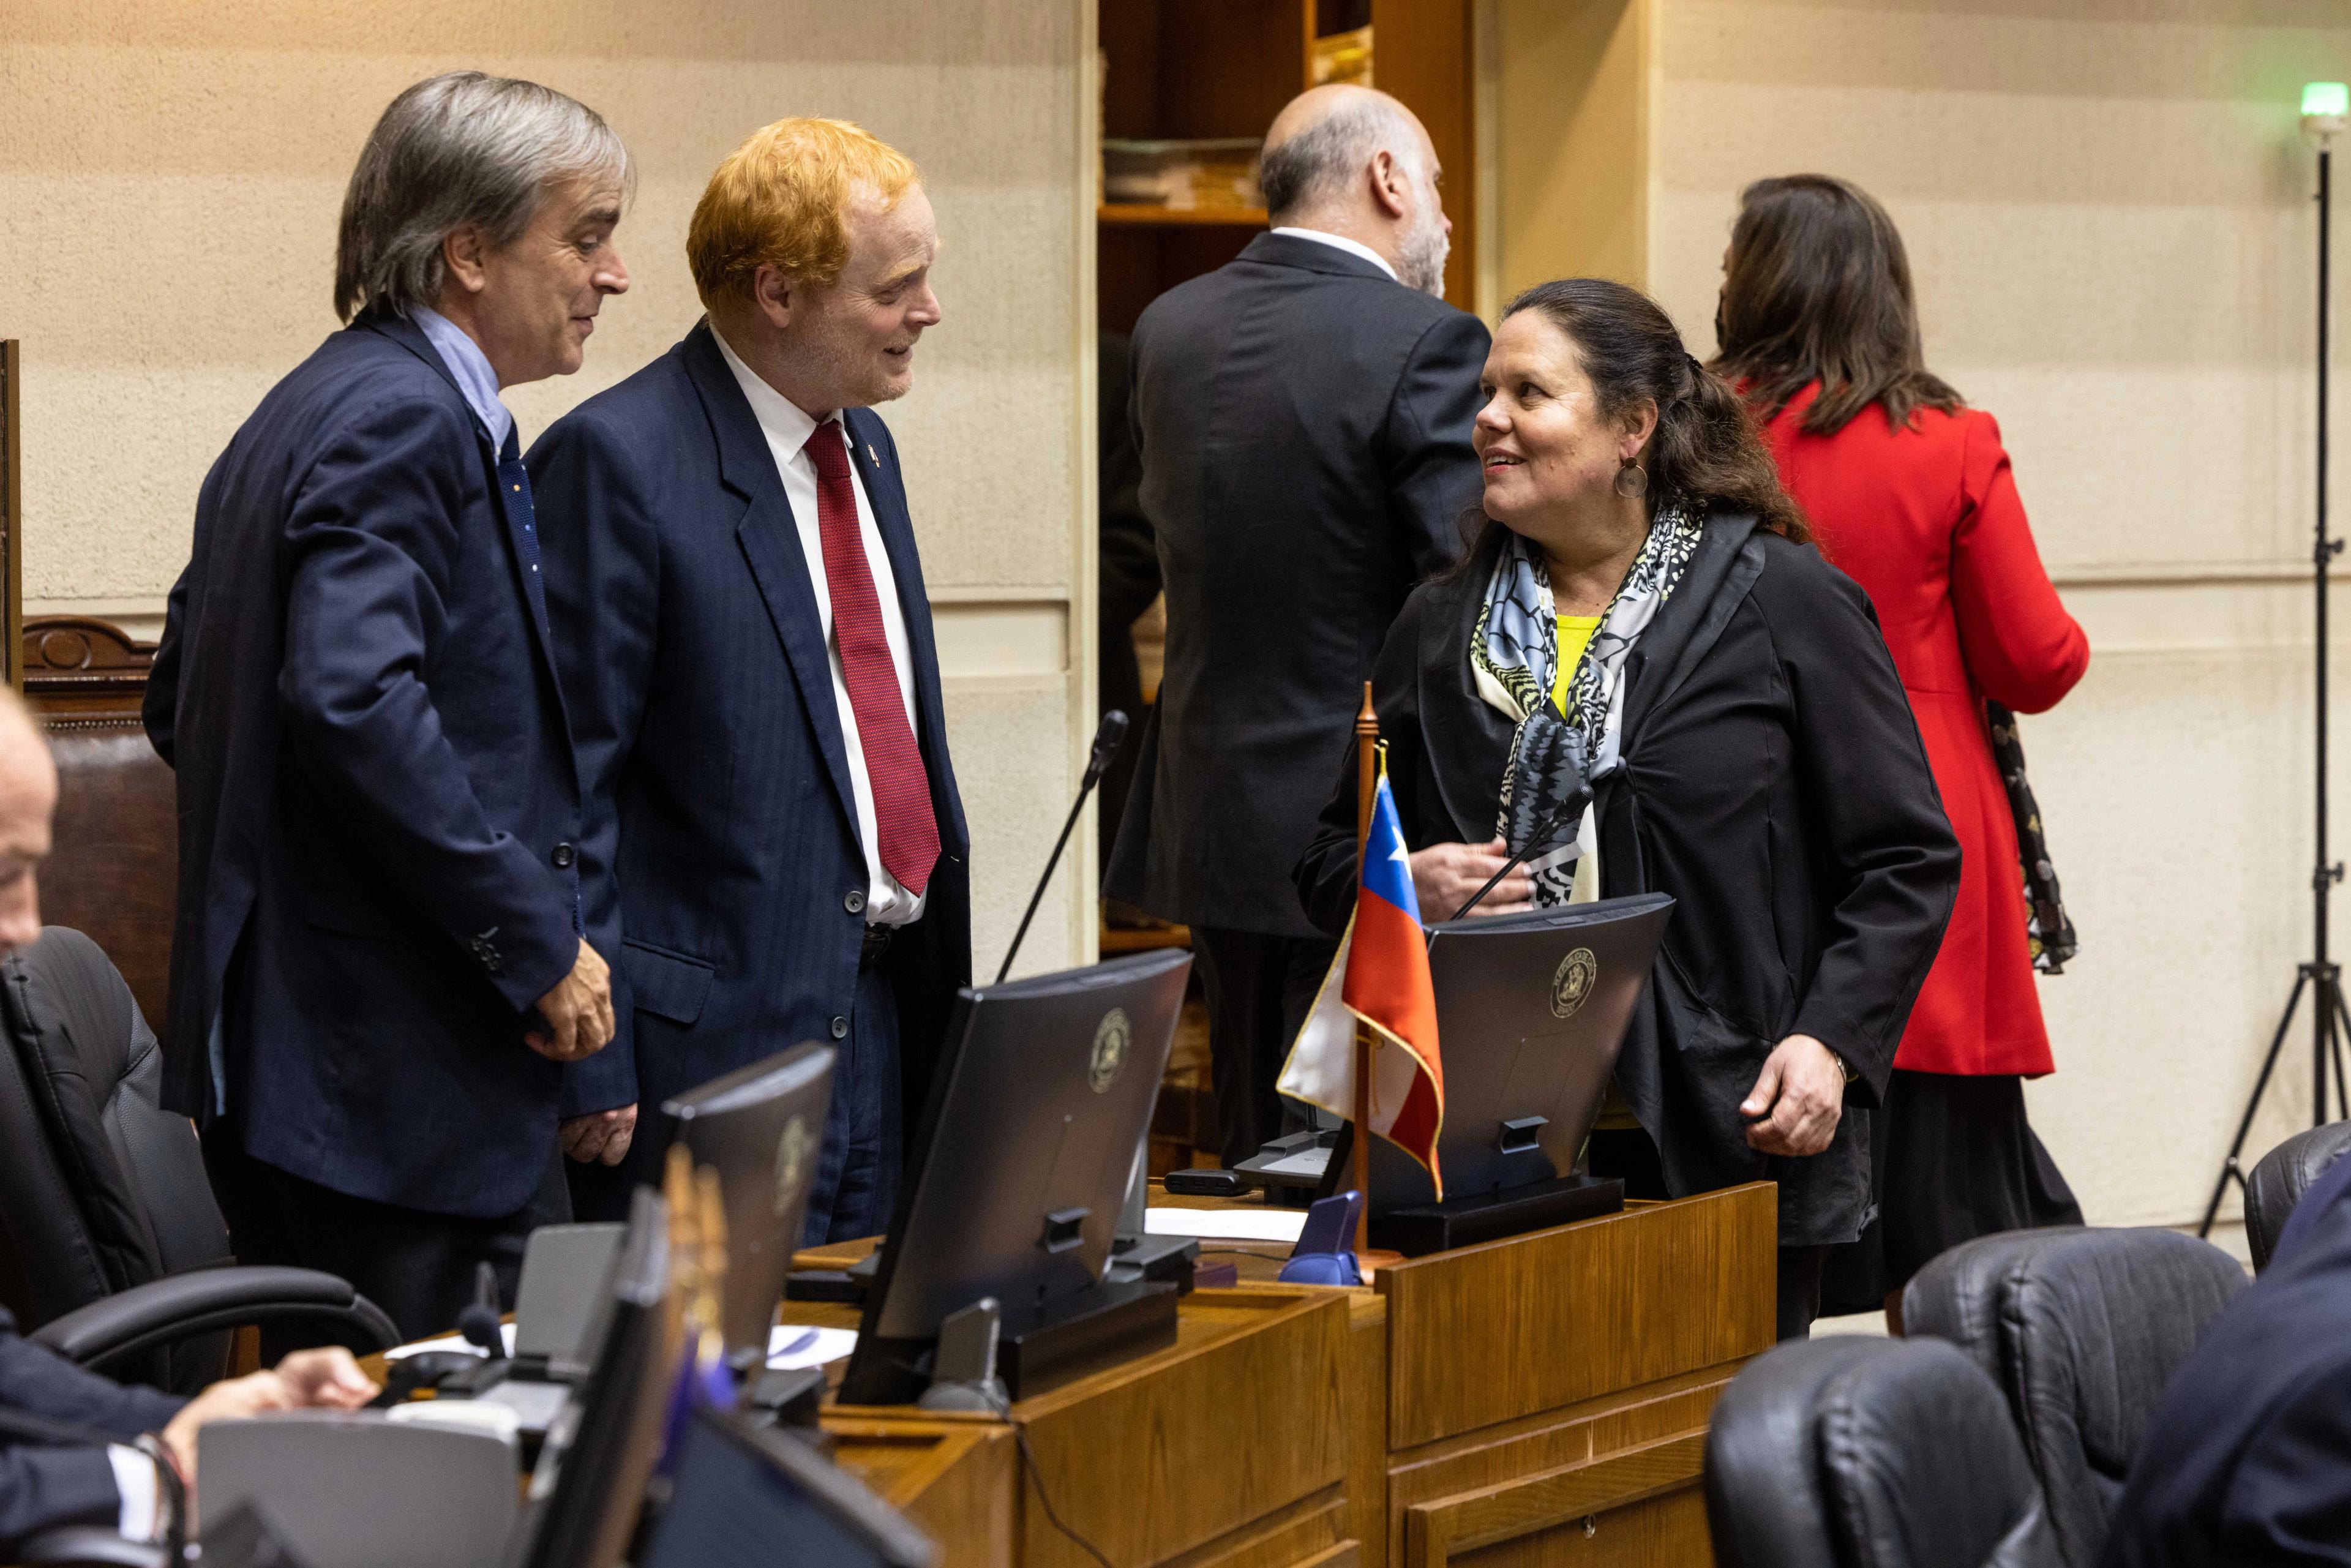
<point>1380,977</point>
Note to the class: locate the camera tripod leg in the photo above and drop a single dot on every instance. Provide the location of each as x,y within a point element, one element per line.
<point>2229,1169</point>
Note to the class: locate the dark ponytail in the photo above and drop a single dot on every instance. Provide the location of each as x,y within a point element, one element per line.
<point>1705,449</point>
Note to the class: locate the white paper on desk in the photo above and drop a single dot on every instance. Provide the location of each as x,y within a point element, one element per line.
<point>1225,1223</point>
<point>790,1348</point>
<point>455,1342</point>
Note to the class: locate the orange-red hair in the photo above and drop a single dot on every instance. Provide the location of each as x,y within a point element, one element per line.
<point>781,199</point>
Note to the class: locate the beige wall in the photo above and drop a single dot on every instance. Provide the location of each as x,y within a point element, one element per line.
<point>170,175</point>
<point>2107,210</point>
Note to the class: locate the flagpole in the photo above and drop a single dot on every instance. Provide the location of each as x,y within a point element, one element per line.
<point>1367,740</point>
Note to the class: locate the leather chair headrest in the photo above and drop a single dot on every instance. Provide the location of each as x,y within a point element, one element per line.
<point>2278,1182</point>
<point>2082,1330</point>
<point>1873,1453</point>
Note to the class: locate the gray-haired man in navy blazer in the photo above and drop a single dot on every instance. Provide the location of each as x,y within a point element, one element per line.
<point>777,850</point>
<point>376,965</point>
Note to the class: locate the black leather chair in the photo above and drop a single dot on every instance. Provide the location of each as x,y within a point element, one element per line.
<point>2082,1330</point>
<point>1853,1451</point>
<point>112,1250</point>
<point>2278,1183</point>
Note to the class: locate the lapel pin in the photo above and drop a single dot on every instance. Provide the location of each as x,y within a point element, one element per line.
<point>869,455</point>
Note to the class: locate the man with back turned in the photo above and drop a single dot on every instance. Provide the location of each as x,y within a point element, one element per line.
<point>377,967</point>
<point>1304,417</point>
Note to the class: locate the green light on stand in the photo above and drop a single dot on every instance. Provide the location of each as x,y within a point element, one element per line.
<point>2332,98</point>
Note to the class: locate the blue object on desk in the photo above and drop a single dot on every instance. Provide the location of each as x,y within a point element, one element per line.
<point>1325,1253</point>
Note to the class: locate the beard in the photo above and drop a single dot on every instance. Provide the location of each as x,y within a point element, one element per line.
<point>1420,262</point>
<point>1421,257</point>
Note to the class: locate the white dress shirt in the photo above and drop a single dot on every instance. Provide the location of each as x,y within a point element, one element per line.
<point>788,430</point>
<point>140,1516</point>
<point>1341,242</point>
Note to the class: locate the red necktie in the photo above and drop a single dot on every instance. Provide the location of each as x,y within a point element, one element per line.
<point>902,816</point>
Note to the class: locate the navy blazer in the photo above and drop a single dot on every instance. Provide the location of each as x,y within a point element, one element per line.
<point>378,801</point>
<point>2247,1461</point>
<point>722,847</point>
<point>42,1488</point>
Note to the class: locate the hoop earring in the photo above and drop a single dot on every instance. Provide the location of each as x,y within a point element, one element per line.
<point>1632,481</point>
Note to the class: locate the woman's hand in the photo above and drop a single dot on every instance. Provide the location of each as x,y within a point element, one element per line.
<point>1797,1101</point>
<point>1445,875</point>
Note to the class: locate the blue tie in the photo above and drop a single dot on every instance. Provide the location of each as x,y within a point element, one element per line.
<point>522,517</point>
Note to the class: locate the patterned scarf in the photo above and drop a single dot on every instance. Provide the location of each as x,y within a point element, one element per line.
<point>1555,756</point>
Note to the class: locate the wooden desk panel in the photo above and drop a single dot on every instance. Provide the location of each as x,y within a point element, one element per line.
<point>954,1479</point>
<point>1574,1313</point>
<point>1229,1449</point>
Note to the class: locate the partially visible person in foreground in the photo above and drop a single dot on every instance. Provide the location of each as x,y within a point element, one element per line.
<point>118,1480</point>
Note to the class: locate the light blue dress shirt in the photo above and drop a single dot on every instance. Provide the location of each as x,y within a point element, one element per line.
<point>471,369</point>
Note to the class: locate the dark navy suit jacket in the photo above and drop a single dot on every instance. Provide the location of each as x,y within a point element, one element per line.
<point>722,846</point>
<point>42,1488</point>
<point>377,795</point>
<point>2248,1460</point>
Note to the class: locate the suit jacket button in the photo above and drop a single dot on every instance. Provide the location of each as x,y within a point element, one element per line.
<point>563,856</point>
<point>855,902</point>
<point>839,1028</point>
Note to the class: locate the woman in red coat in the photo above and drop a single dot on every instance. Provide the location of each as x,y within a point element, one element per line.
<point>1909,492</point>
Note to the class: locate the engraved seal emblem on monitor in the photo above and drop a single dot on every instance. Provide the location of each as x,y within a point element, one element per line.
<point>792,1151</point>
<point>1111,1037</point>
<point>1571,986</point>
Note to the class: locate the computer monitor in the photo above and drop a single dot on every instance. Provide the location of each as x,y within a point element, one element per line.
<point>1045,1088</point>
<point>762,1129</point>
<point>601,1449</point>
<point>1530,1011</point>
<point>744,1497</point>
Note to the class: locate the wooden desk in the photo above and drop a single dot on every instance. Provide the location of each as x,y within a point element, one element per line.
<point>1545,1399</point>
<point>1229,1450</point>
<point>1538,1401</point>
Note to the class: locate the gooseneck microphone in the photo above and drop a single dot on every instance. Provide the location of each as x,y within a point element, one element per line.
<point>1107,740</point>
<point>478,1320</point>
<point>1540,842</point>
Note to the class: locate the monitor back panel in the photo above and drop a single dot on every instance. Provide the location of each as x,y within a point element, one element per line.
<point>1049,1091</point>
<point>1530,1010</point>
<point>762,1129</point>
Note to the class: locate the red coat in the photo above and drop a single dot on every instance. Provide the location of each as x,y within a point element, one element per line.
<point>1927,521</point>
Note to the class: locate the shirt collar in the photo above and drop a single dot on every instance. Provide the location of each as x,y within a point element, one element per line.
<point>1340,242</point>
<point>469,368</point>
<point>784,422</point>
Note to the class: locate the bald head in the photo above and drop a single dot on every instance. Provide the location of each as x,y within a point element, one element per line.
<point>28,794</point>
<point>1352,161</point>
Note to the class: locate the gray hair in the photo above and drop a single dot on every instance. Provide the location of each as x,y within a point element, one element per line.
<point>457,150</point>
<point>1320,161</point>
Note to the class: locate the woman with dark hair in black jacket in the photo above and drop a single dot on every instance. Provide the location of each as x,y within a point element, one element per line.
<point>1642,660</point>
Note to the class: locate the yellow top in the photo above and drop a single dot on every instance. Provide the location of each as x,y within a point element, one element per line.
<point>1574,635</point>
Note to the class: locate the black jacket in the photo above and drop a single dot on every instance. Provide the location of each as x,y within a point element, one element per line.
<point>41,1487</point>
<point>1772,782</point>
<point>1303,421</point>
<point>378,804</point>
